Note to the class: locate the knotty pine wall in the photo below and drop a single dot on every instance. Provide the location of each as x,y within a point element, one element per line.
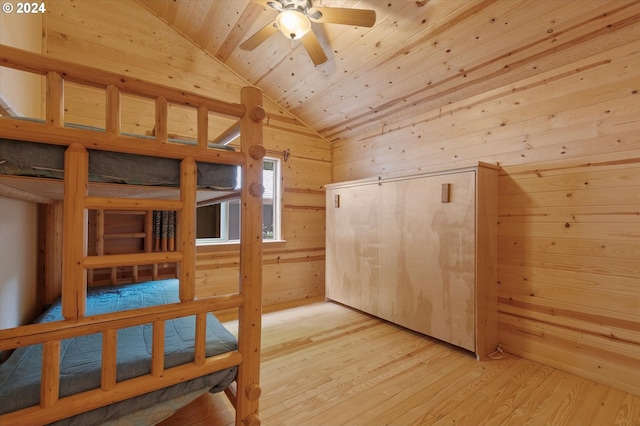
<point>124,37</point>
<point>568,141</point>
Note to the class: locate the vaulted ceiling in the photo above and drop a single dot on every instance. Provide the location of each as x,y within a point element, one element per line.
<point>419,56</point>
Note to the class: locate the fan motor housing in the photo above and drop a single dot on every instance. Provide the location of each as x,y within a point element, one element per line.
<point>301,6</point>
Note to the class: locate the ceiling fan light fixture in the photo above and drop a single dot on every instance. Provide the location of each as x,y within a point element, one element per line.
<point>293,24</point>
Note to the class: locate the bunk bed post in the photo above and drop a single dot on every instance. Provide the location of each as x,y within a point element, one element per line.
<point>203,127</point>
<point>55,99</point>
<point>250,315</point>
<point>187,231</point>
<point>50,387</point>
<point>52,243</point>
<point>74,227</point>
<point>161,130</point>
<point>113,110</point>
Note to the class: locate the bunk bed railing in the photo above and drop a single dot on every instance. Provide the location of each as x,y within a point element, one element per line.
<point>33,334</point>
<point>54,132</point>
<point>38,64</point>
<point>76,263</point>
<point>12,128</point>
<point>51,334</point>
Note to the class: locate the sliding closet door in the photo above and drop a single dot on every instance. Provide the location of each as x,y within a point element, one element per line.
<point>428,253</point>
<point>420,251</point>
<point>353,239</point>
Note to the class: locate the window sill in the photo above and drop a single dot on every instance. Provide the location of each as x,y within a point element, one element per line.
<point>207,247</point>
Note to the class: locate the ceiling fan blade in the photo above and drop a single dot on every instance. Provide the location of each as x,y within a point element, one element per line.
<point>258,38</point>
<point>345,16</point>
<point>268,3</point>
<point>313,47</point>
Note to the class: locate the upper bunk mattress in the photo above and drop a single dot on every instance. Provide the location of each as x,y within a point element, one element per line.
<point>32,159</point>
<point>80,363</point>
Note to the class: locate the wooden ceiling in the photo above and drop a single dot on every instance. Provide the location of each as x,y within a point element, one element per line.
<point>419,56</point>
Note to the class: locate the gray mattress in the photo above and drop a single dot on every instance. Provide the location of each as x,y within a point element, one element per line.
<point>81,357</point>
<point>34,159</point>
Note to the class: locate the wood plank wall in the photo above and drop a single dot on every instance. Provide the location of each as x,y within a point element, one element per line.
<point>568,142</point>
<point>94,33</point>
<point>569,204</point>
<point>293,270</point>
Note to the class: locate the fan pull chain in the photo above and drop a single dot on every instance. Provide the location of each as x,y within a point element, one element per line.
<point>292,47</point>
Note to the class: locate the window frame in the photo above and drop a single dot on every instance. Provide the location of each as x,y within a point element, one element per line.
<point>277,211</point>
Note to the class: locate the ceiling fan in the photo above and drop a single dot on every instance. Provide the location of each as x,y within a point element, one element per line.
<point>294,21</point>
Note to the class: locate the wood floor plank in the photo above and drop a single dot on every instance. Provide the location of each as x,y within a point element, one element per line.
<point>526,410</point>
<point>513,397</point>
<point>465,399</point>
<point>369,367</point>
<point>458,371</point>
<point>311,399</point>
<point>609,408</point>
<point>335,353</point>
<point>591,405</point>
<point>365,407</point>
<point>551,411</point>
<point>325,364</point>
<point>572,402</point>
<point>629,411</point>
<point>493,395</point>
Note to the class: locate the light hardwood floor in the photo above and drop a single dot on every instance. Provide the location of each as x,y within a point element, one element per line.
<point>325,364</point>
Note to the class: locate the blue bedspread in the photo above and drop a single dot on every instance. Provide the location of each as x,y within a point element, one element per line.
<point>81,357</point>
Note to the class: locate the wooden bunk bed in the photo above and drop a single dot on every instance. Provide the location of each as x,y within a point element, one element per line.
<point>79,198</point>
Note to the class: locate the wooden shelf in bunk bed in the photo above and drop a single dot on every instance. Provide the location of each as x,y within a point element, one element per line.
<point>73,318</point>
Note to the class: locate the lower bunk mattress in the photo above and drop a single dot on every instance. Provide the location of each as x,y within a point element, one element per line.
<point>80,364</point>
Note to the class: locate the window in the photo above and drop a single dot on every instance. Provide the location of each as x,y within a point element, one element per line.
<point>220,222</point>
